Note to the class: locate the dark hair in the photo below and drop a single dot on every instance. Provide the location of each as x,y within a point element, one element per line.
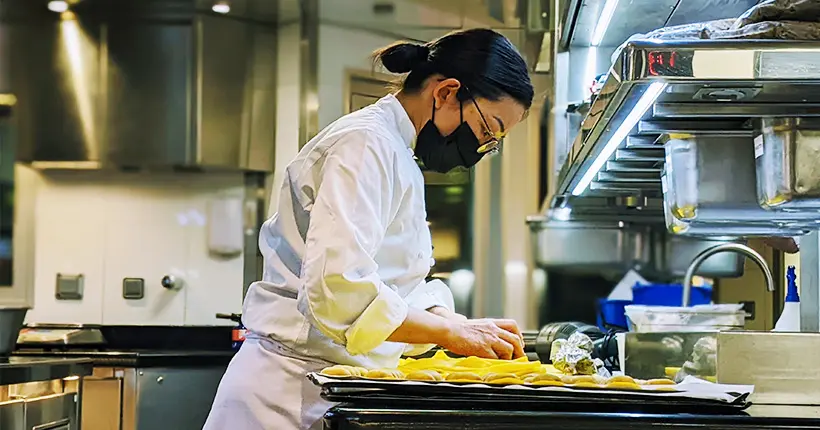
<point>484,61</point>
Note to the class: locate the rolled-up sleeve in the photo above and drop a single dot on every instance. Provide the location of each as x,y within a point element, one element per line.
<point>343,296</point>
<point>425,296</point>
<point>431,294</point>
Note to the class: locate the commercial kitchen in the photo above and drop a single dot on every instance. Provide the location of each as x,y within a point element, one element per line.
<point>657,210</point>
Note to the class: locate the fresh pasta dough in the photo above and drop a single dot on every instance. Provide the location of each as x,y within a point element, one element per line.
<point>490,377</point>
<point>463,377</point>
<point>621,379</point>
<point>424,375</point>
<point>657,382</point>
<point>344,371</point>
<point>521,371</point>
<point>385,374</point>
<point>503,379</point>
<point>623,386</point>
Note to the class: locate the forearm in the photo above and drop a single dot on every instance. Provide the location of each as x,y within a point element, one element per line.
<point>445,313</point>
<point>422,327</point>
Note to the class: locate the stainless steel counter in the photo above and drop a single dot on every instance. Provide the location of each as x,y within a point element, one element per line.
<point>21,370</point>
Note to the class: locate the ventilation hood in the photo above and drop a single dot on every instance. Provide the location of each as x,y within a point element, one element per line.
<point>144,84</point>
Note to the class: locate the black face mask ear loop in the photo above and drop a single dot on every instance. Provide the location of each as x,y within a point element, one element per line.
<point>460,110</point>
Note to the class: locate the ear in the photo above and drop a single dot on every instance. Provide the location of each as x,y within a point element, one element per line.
<point>446,92</point>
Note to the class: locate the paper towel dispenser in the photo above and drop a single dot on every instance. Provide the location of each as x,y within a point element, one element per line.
<point>146,84</point>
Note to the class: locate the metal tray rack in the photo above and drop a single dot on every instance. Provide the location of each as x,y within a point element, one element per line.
<point>702,87</point>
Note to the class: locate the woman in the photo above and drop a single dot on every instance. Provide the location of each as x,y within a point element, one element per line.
<point>347,252</point>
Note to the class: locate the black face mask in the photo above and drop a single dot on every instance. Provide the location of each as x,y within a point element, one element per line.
<point>444,153</point>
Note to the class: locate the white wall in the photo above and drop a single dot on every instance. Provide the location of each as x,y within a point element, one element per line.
<point>340,50</point>
<point>110,225</point>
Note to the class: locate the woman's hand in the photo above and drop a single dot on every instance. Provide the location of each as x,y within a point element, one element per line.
<point>485,338</point>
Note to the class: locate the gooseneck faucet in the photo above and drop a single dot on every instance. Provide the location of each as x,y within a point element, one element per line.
<point>725,247</point>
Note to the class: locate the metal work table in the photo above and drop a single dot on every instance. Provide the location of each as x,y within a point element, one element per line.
<point>348,417</point>
<point>141,359</point>
<point>20,370</point>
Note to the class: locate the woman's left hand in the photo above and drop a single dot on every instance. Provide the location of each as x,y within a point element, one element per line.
<point>445,313</point>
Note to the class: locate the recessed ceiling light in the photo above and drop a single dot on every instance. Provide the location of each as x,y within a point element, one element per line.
<point>221,7</point>
<point>58,6</point>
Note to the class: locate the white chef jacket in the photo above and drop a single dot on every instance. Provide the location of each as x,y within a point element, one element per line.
<point>347,252</point>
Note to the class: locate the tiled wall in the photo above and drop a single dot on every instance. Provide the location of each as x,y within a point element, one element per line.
<point>112,225</point>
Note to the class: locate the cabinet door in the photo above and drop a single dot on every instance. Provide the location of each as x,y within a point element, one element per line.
<point>145,239</point>
<point>102,403</point>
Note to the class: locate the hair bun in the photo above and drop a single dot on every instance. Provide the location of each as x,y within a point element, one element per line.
<point>402,57</point>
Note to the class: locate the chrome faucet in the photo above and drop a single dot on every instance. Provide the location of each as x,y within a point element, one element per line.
<point>725,247</point>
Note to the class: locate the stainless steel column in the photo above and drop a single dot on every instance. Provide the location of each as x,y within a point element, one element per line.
<point>809,279</point>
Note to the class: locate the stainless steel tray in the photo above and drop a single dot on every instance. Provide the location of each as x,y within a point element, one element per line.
<point>350,390</point>
<point>788,174</point>
<point>588,245</point>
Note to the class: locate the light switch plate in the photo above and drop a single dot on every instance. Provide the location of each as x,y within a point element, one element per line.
<point>133,288</point>
<point>69,287</point>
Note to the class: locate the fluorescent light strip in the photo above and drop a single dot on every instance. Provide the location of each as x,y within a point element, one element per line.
<point>603,22</point>
<point>644,103</point>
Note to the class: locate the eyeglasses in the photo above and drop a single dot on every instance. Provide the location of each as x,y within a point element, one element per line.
<point>491,146</point>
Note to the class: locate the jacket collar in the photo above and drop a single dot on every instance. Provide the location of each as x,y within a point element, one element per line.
<point>403,123</point>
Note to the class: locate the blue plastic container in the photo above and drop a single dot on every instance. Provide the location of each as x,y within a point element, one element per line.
<point>611,313</point>
<point>668,295</point>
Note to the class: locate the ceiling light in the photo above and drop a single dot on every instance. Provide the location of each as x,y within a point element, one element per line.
<point>58,6</point>
<point>644,103</point>
<point>603,22</point>
<point>221,7</point>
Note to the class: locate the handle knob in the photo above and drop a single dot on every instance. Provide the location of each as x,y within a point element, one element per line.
<point>170,282</point>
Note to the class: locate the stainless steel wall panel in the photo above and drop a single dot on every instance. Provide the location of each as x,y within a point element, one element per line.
<point>149,105</point>
<point>149,84</point>
<point>54,72</point>
<point>224,63</point>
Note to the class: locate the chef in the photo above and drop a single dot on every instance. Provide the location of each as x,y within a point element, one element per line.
<point>348,250</point>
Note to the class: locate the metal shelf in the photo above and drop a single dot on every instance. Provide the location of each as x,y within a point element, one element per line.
<point>694,87</point>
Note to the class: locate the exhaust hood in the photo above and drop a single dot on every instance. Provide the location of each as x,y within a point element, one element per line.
<point>147,84</point>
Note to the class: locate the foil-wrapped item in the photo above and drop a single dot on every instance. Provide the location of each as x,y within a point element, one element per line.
<point>574,355</point>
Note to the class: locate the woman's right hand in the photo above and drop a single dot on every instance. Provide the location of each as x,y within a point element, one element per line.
<point>486,338</point>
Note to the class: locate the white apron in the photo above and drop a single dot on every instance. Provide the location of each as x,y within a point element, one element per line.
<point>265,388</point>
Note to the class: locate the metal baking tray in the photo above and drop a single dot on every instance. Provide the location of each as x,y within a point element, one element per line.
<point>341,390</point>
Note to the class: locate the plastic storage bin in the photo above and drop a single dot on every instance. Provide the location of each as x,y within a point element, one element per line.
<point>612,313</point>
<point>657,319</point>
<point>788,174</point>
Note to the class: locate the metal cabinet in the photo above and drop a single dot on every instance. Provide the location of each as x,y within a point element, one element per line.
<point>149,398</point>
<point>53,412</point>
